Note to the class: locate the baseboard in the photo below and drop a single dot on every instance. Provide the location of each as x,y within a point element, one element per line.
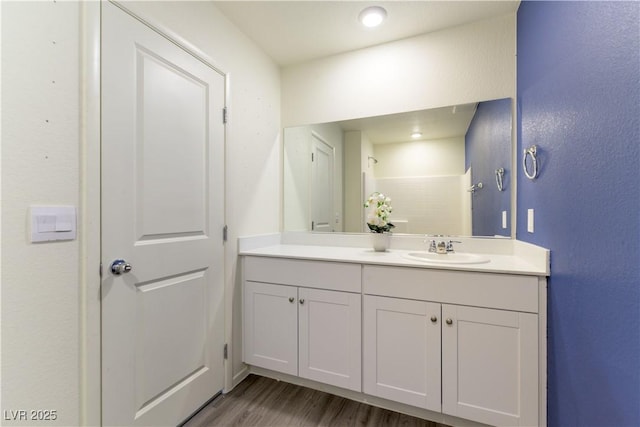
<point>238,378</point>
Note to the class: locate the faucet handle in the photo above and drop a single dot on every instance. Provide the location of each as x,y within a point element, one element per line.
<point>450,245</point>
<point>432,246</point>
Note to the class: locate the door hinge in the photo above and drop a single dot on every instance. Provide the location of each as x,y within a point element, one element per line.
<point>224,115</point>
<point>312,157</point>
<point>312,225</point>
<point>225,233</point>
<point>100,270</point>
<point>225,352</point>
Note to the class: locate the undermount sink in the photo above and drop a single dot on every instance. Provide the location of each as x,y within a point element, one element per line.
<point>450,258</point>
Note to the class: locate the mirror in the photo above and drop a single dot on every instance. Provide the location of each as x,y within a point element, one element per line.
<point>447,171</point>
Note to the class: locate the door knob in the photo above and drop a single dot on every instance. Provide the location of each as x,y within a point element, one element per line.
<point>434,319</point>
<point>291,299</point>
<point>301,300</point>
<point>120,266</point>
<point>449,322</point>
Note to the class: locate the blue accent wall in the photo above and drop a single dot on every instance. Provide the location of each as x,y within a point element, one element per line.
<point>487,148</point>
<point>579,102</point>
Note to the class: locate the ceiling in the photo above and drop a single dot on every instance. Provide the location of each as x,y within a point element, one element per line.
<point>291,32</point>
<point>435,123</point>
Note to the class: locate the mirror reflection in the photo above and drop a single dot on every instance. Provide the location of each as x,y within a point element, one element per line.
<point>447,171</point>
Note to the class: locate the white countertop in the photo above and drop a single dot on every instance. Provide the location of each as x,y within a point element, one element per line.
<point>499,263</point>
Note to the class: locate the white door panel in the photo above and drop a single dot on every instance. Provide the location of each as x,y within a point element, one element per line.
<point>322,173</point>
<point>171,154</point>
<point>162,212</point>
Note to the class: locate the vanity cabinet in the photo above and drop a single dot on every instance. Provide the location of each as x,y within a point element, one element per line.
<point>446,345</point>
<point>489,355</point>
<point>302,330</point>
<point>271,332</point>
<point>402,351</point>
<point>490,365</point>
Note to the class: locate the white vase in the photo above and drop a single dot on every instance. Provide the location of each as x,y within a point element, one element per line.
<point>381,241</point>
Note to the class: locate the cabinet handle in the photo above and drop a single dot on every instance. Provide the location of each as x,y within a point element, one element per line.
<point>434,319</point>
<point>301,300</point>
<point>449,322</point>
<point>291,299</point>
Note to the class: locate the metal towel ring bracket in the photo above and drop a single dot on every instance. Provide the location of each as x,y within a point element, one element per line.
<point>531,151</point>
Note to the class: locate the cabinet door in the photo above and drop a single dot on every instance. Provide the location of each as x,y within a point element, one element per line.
<point>271,326</point>
<point>490,365</point>
<point>330,337</point>
<point>402,351</point>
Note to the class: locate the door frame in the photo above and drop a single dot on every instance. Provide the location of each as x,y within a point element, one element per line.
<point>90,206</point>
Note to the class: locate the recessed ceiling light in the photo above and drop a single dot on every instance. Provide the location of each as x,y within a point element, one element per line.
<point>416,135</point>
<point>372,16</point>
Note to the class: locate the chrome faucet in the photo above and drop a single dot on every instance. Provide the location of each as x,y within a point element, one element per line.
<point>440,247</point>
<point>431,243</point>
<point>449,247</point>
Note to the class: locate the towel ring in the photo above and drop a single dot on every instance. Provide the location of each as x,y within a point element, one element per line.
<point>531,151</point>
<point>500,178</point>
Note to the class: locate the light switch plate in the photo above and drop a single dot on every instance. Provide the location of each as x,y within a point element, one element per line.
<point>50,223</point>
<point>530,220</point>
<point>504,219</point>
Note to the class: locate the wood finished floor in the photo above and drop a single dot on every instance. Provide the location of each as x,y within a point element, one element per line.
<point>260,401</point>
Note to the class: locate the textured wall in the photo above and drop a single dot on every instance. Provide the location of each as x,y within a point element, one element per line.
<point>579,101</point>
<point>40,166</point>
<point>487,148</point>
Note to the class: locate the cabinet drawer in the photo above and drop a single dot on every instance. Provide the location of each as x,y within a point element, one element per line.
<point>503,291</point>
<point>336,276</point>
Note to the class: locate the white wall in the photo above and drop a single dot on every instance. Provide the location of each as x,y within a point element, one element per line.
<point>420,158</point>
<point>352,181</point>
<point>40,165</point>
<point>42,332</point>
<point>459,65</point>
<point>358,175</point>
<point>296,176</point>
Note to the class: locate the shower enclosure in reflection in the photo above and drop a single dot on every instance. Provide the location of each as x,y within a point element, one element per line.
<point>426,161</point>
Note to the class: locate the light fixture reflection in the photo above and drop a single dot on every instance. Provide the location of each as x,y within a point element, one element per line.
<point>372,16</point>
<point>416,134</point>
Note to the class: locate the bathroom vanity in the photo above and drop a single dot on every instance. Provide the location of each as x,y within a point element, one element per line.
<point>448,342</point>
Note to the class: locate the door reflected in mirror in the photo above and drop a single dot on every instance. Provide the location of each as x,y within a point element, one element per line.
<point>447,171</point>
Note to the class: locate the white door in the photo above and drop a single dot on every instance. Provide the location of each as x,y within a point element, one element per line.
<point>330,337</point>
<point>162,212</point>
<point>490,365</point>
<point>322,171</point>
<point>270,331</point>
<point>402,351</point>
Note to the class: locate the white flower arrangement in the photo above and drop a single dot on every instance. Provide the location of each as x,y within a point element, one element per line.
<point>379,207</point>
